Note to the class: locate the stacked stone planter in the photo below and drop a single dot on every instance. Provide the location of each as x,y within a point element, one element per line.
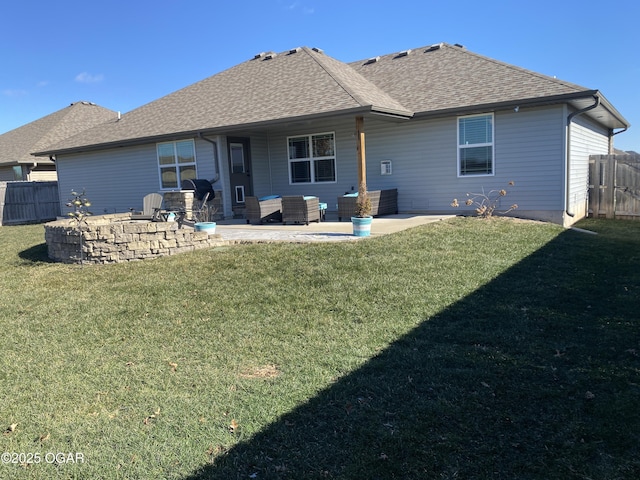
<point>116,238</point>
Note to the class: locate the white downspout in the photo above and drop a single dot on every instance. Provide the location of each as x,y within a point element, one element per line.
<point>570,118</point>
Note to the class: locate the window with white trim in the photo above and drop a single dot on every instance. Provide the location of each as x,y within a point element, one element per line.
<point>176,162</point>
<point>475,145</point>
<point>312,158</point>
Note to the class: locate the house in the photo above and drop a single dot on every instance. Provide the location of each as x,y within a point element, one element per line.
<point>16,161</point>
<point>437,122</point>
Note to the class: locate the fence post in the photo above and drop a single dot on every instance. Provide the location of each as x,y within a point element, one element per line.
<point>594,186</point>
<point>3,194</point>
<point>611,186</point>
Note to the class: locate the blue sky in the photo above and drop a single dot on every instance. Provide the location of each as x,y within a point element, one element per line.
<point>122,54</point>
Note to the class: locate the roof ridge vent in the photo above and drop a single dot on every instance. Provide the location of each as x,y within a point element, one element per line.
<point>270,56</point>
<point>294,50</point>
<point>459,45</point>
<point>435,46</point>
<point>403,53</point>
<point>316,49</point>
<point>372,60</point>
<point>259,55</point>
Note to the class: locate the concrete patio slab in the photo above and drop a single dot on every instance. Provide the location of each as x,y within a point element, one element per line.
<point>238,230</point>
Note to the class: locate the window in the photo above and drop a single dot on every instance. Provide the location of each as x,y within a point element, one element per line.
<point>239,193</point>
<point>475,145</point>
<point>177,162</point>
<point>237,158</point>
<point>312,158</point>
<point>17,172</point>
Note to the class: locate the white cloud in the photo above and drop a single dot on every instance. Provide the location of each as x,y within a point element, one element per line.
<point>42,83</point>
<point>86,77</point>
<point>14,93</point>
<point>298,6</point>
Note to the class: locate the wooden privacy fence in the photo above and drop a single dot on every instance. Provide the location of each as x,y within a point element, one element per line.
<point>28,202</point>
<point>614,186</point>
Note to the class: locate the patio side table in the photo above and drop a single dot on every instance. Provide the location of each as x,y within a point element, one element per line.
<point>323,211</point>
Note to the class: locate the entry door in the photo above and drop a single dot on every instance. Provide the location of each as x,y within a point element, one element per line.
<point>240,168</point>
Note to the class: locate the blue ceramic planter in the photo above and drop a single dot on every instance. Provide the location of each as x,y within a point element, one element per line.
<point>209,227</point>
<point>361,226</point>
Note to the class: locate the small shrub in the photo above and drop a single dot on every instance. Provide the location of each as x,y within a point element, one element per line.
<point>486,203</point>
<point>363,205</point>
<point>206,213</point>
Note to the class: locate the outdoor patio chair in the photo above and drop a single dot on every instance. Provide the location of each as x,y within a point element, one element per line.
<point>383,202</point>
<point>202,211</point>
<point>300,209</point>
<point>151,208</point>
<point>264,209</point>
<point>203,208</point>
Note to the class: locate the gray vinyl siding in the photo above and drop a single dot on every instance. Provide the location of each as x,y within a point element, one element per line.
<point>260,166</point>
<point>423,162</point>
<point>586,139</point>
<point>116,180</point>
<point>205,159</point>
<point>6,174</point>
<point>528,149</point>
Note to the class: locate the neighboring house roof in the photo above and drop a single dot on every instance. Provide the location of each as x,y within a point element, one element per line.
<point>16,145</point>
<point>305,83</point>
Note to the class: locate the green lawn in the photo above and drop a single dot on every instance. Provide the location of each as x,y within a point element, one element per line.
<point>465,349</point>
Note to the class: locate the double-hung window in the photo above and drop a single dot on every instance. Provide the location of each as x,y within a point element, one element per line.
<point>475,145</point>
<point>177,162</point>
<point>312,158</point>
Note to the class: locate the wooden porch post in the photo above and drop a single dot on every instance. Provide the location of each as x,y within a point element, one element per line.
<point>362,161</point>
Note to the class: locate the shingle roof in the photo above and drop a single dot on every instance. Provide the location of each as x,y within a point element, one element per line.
<point>444,77</point>
<point>16,145</point>
<point>305,82</point>
<point>271,87</point>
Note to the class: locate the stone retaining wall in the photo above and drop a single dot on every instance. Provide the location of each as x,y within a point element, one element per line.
<point>116,238</point>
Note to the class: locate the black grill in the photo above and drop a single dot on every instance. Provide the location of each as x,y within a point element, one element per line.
<point>201,188</point>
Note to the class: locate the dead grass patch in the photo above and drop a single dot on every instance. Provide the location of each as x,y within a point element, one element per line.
<point>262,371</point>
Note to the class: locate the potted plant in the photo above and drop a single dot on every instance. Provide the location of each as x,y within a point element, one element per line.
<point>203,219</point>
<point>362,219</point>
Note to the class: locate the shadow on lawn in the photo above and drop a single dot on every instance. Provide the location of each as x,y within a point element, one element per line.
<point>37,253</point>
<point>535,375</point>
